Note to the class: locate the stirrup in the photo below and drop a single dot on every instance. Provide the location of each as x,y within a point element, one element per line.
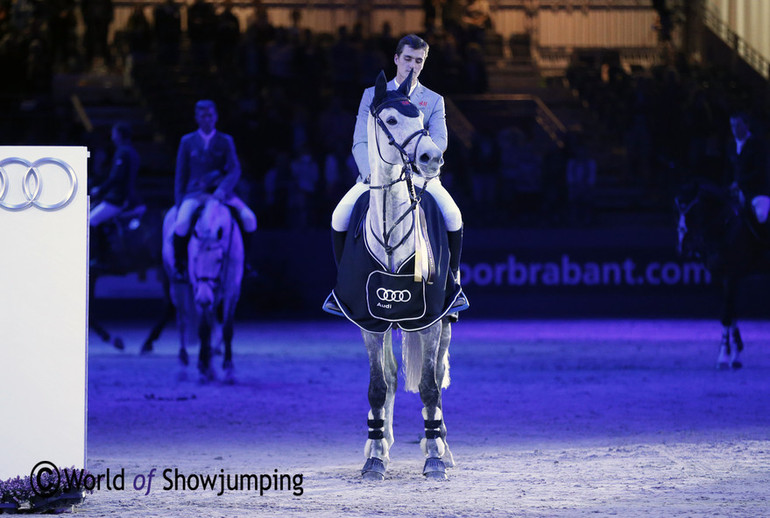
<point>330,306</point>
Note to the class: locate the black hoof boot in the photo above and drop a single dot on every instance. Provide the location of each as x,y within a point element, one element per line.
<point>434,469</point>
<point>374,469</point>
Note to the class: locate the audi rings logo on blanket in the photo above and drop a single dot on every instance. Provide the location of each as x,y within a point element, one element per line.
<point>387,295</point>
<point>39,186</point>
<point>395,297</point>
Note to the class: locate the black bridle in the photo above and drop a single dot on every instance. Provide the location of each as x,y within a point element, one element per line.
<point>407,171</point>
<point>215,280</point>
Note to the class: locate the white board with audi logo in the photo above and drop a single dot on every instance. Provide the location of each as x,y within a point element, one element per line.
<point>43,307</point>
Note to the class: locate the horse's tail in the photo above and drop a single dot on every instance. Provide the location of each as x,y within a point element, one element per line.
<point>412,356</point>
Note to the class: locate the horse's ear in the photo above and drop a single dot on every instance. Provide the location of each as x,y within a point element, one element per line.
<point>380,87</point>
<point>406,85</point>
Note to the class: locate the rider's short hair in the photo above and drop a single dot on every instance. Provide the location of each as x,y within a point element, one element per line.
<point>413,41</point>
<point>205,104</point>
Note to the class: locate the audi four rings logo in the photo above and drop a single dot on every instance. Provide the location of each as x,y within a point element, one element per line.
<point>386,295</point>
<point>32,184</point>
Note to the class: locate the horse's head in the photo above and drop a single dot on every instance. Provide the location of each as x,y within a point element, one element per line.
<point>400,135</point>
<point>213,233</point>
<point>705,215</point>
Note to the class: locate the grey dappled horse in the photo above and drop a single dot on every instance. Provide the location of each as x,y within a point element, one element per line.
<point>393,233</point>
<point>207,302</point>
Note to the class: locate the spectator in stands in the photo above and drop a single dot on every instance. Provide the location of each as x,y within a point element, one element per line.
<point>168,31</point>
<point>747,167</point>
<point>97,17</point>
<point>476,21</point>
<point>305,175</point>
<point>61,26</point>
<point>139,32</point>
<point>581,182</point>
<point>201,29</point>
<point>227,38</point>
<point>118,191</point>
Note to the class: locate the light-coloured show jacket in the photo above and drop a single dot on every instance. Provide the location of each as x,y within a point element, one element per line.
<point>427,101</point>
<point>200,169</point>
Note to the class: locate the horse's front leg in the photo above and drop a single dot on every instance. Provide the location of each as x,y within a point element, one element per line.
<point>727,356</point>
<point>227,338</point>
<point>442,378</point>
<point>377,449</point>
<point>204,355</point>
<point>432,445</point>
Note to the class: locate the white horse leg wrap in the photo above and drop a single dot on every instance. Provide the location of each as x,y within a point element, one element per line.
<point>376,445</point>
<point>433,444</point>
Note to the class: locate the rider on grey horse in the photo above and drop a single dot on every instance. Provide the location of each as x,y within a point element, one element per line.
<point>206,163</point>
<point>410,57</point>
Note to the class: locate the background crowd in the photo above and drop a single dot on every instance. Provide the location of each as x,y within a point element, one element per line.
<point>289,95</point>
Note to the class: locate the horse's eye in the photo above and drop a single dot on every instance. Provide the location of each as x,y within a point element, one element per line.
<point>392,121</point>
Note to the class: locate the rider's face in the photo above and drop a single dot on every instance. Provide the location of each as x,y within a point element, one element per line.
<point>410,59</point>
<point>206,119</point>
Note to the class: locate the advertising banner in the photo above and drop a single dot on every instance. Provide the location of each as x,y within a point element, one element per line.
<point>43,307</point>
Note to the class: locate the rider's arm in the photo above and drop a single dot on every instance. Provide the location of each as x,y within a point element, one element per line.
<point>232,171</point>
<point>360,139</point>
<point>436,124</point>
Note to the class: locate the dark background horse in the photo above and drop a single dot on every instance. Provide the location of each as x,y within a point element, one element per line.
<point>129,244</point>
<point>717,230</point>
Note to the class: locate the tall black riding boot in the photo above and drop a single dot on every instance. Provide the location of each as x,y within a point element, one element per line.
<point>180,258</point>
<point>338,244</point>
<point>455,249</point>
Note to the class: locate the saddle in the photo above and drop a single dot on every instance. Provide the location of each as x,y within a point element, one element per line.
<point>375,299</point>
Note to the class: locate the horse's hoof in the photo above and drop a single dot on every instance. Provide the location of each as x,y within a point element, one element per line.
<point>434,469</point>
<point>374,469</point>
<point>207,375</point>
<point>118,344</point>
<point>723,366</point>
<point>736,365</point>
<point>229,378</point>
<point>146,348</point>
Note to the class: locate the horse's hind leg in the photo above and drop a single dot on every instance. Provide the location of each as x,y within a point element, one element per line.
<point>729,287</point>
<point>737,340</point>
<point>377,446</point>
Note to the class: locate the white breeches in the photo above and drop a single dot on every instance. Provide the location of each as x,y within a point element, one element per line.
<point>449,209</point>
<point>761,205</point>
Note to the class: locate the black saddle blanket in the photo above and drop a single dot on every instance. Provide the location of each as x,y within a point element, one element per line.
<point>375,299</point>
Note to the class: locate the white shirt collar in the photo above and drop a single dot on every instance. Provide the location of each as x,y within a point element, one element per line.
<point>395,82</point>
<point>206,138</point>
<point>739,143</point>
